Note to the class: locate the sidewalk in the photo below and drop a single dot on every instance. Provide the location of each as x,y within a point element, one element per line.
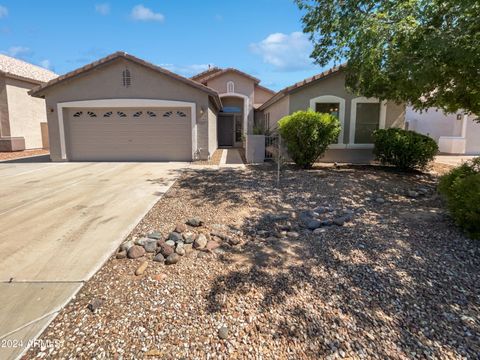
<point>453,160</point>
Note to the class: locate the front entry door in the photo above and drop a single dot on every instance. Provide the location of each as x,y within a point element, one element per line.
<point>225,130</point>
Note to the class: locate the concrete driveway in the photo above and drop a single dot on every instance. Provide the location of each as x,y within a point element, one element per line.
<point>59,222</point>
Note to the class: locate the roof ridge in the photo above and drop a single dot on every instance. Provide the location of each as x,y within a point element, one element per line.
<point>125,55</point>
<point>223,71</point>
<point>204,72</point>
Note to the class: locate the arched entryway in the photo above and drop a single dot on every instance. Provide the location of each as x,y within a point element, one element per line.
<point>231,123</point>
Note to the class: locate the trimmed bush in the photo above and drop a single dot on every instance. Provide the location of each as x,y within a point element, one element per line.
<point>404,149</point>
<point>461,189</point>
<point>307,135</point>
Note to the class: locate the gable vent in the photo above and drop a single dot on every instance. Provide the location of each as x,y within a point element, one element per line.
<point>127,78</point>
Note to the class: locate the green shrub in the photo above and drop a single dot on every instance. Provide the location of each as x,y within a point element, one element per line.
<point>461,189</point>
<point>404,149</point>
<point>307,135</point>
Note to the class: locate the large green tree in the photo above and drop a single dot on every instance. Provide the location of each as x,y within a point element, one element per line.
<point>426,52</point>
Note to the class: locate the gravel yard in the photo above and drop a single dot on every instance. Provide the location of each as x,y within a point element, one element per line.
<point>12,155</point>
<point>382,273</point>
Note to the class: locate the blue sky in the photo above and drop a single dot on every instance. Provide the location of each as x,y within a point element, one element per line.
<point>261,37</point>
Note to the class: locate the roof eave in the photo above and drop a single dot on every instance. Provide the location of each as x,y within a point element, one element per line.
<point>22,78</point>
<point>37,92</point>
<point>299,85</point>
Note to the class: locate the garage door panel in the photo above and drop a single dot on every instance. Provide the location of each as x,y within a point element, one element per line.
<point>129,134</point>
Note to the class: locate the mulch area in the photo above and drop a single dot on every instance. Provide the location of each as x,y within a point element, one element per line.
<point>397,280</point>
<point>214,159</point>
<point>12,155</point>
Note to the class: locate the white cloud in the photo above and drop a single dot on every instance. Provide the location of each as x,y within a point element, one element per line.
<point>142,13</point>
<point>102,9</point>
<point>18,51</point>
<point>286,52</point>
<point>186,70</point>
<point>46,64</point>
<point>3,11</point>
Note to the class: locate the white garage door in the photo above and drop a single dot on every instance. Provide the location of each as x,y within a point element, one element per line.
<point>118,134</point>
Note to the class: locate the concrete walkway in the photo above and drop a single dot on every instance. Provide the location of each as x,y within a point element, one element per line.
<point>453,160</point>
<point>231,158</point>
<point>59,222</point>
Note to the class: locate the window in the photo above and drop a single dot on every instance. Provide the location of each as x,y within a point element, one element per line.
<point>151,114</point>
<point>230,87</point>
<point>127,78</point>
<point>91,114</point>
<point>231,109</point>
<point>181,114</point>
<point>328,108</point>
<point>121,114</point>
<point>334,105</point>
<point>138,114</point>
<point>107,114</point>
<point>266,121</point>
<point>78,114</point>
<point>238,128</point>
<point>367,121</point>
<point>167,114</point>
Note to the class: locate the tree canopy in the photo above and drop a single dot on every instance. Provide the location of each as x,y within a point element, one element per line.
<point>425,52</point>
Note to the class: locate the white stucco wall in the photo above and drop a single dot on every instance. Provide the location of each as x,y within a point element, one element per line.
<point>472,146</point>
<point>26,113</point>
<point>435,124</point>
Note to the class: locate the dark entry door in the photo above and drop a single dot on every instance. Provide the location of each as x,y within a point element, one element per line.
<point>225,130</point>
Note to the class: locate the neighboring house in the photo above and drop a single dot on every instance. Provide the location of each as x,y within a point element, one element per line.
<point>326,93</point>
<point>23,120</point>
<point>454,133</point>
<point>121,108</point>
<point>241,96</point>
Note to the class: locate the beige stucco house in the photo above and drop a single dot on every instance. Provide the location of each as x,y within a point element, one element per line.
<point>326,93</point>
<point>241,96</point>
<point>23,121</point>
<point>121,108</point>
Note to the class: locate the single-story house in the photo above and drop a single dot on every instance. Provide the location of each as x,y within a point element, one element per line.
<point>326,93</point>
<point>122,108</point>
<point>456,133</point>
<point>23,121</point>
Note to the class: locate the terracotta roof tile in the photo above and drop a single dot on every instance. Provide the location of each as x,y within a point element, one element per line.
<point>284,92</point>
<point>20,69</point>
<point>214,74</point>
<point>205,73</point>
<point>265,88</point>
<point>120,54</point>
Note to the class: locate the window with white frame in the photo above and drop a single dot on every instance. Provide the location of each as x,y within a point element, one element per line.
<point>230,87</point>
<point>335,106</point>
<point>367,115</point>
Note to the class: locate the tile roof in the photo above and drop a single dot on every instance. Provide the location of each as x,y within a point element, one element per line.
<point>120,54</point>
<point>215,72</point>
<point>265,88</point>
<point>25,71</point>
<point>284,92</point>
<point>205,73</point>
